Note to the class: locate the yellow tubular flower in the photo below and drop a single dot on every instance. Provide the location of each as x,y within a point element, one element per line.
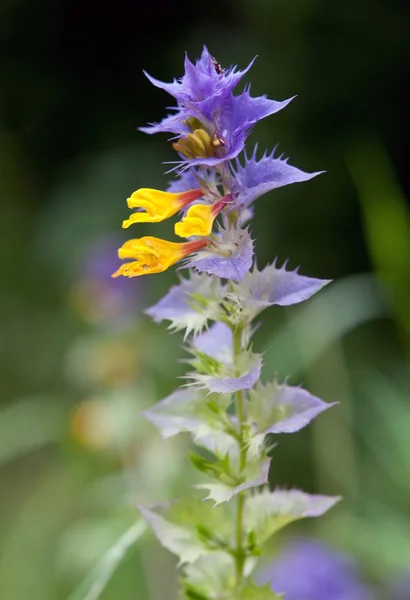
<point>153,255</point>
<point>199,219</point>
<point>158,205</point>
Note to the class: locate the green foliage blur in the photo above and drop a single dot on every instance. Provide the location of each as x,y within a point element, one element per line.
<point>79,360</point>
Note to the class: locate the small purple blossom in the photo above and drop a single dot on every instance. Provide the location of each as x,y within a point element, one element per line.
<point>309,570</point>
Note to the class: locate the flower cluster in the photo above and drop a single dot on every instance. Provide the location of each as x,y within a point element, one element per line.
<point>223,405</point>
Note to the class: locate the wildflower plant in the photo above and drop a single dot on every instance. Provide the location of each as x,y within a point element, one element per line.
<point>223,405</point>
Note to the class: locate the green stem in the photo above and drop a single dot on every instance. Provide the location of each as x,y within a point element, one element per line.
<point>241,415</point>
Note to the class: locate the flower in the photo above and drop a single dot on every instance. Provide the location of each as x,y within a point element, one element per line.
<point>158,205</point>
<point>153,255</point>
<point>215,306</point>
<point>203,80</point>
<point>310,570</point>
<point>212,123</point>
<point>200,218</point>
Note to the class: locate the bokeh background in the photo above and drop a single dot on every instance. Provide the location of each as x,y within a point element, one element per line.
<point>79,360</point>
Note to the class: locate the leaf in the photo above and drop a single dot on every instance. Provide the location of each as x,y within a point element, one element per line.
<point>273,286</point>
<point>191,410</point>
<point>212,576</point>
<point>255,475</point>
<point>95,582</point>
<point>177,539</point>
<point>227,378</point>
<point>256,177</point>
<point>267,512</point>
<point>231,256</point>
<point>278,408</point>
<point>190,304</point>
<point>179,527</point>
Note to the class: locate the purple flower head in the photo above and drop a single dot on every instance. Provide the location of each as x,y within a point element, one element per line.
<point>201,81</point>
<point>309,570</point>
<point>205,103</point>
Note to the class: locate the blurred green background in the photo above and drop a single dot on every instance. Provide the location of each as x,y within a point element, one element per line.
<point>78,360</point>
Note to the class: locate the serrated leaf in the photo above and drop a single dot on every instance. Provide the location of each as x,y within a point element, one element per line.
<point>177,539</point>
<point>179,527</point>
<point>228,378</point>
<point>255,475</point>
<point>272,285</point>
<point>278,408</point>
<point>215,368</point>
<point>190,304</point>
<point>187,409</point>
<point>230,257</point>
<point>267,512</point>
<point>191,410</point>
<point>212,576</point>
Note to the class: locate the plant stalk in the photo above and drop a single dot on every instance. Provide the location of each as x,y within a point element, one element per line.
<point>241,416</point>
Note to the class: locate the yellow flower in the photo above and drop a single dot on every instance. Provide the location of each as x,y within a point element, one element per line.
<point>153,255</point>
<point>199,218</point>
<point>158,205</point>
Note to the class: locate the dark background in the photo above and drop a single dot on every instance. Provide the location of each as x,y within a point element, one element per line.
<point>75,455</point>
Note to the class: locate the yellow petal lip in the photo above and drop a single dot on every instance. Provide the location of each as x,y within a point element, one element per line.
<point>153,255</point>
<point>199,219</point>
<point>155,205</point>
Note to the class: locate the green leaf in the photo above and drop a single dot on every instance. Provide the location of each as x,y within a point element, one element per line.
<point>179,527</point>
<point>256,474</point>
<point>193,411</point>
<point>95,582</point>
<point>211,577</point>
<point>267,512</point>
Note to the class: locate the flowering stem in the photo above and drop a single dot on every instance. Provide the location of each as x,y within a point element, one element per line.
<point>240,413</point>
